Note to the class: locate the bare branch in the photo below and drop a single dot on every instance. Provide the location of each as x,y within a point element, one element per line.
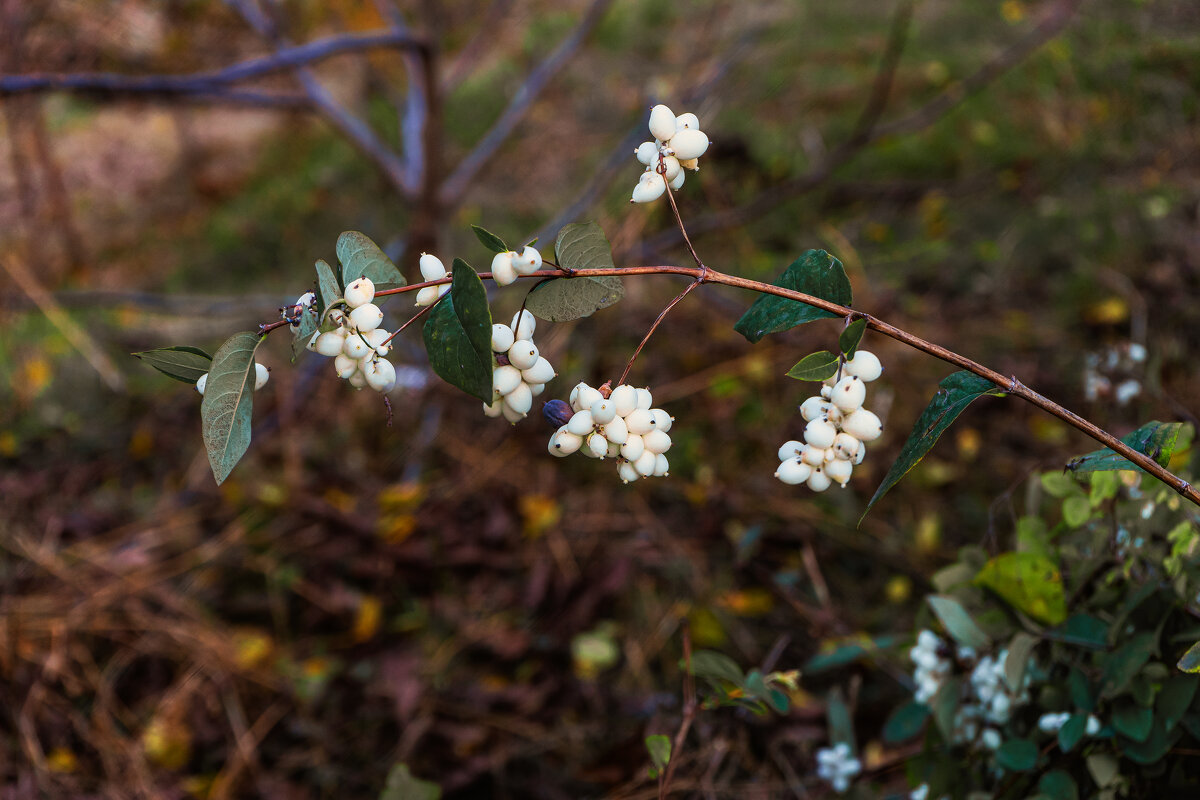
<point>348,124</point>
<point>456,185</point>
<point>205,83</point>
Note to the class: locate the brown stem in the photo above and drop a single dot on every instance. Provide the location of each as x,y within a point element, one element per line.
<point>689,711</point>
<point>1010,384</point>
<point>415,317</point>
<point>654,327</point>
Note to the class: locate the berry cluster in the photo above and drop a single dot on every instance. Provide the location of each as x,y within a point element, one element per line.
<point>621,425</point>
<point>432,269</point>
<point>678,144</point>
<point>837,766</point>
<point>357,344</point>
<point>261,374</point>
<point>521,372</point>
<point>837,431</point>
<point>507,266</point>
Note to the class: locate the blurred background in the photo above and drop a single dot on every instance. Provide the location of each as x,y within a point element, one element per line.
<point>1017,180</point>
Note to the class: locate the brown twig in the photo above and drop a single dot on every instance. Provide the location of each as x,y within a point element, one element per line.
<point>690,706</point>
<point>629,365</point>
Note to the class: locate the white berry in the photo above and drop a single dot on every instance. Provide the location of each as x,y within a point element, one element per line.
<point>523,354</point>
<point>624,399</point>
<point>495,409</point>
<point>520,399</point>
<point>200,384</point>
<point>849,393</point>
<point>862,425</point>
<point>644,399</point>
<point>503,272</point>
<point>865,365</point>
<point>502,338</point>
<point>598,445</point>
<point>649,188</point>
<point>564,442</point>
<point>689,144</point>
<point>615,430</point>
<point>662,122</point>
<point>432,268</point>
<point>344,366</point>
<point>818,481</point>
<point>793,471</point>
<point>662,420</point>
<point>839,470</point>
<point>687,120</point>
<point>378,339</point>
<point>360,292</point>
<point>355,346</point>
<point>428,296</point>
<point>656,441</point>
<point>540,372</point>
<point>640,421</point>
<point>366,317</point>
<point>523,325</point>
<point>790,449</point>
<point>661,465</point>
<point>581,423</point>
<point>331,343</point>
<point>645,463</point>
<point>627,472</point>
<point>603,411</point>
<point>634,446</point>
<point>381,375</point>
<point>819,433</point>
<point>528,262</point>
<point>647,153</point>
<point>505,379</point>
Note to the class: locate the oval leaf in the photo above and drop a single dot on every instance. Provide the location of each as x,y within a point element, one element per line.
<point>328,289</point>
<point>1020,650</point>
<point>1131,720</point>
<point>958,622</point>
<point>403,785</point>
<point>1071,732</point>
<point>816,273</point>
<point>362,257</point>
<point>490,240</point>
<point>580,245</point>
<point>1155,439</point>
<point>905,722</point>
<point>1018,755</point>
<point>659,747</point>
<point>1190,661</point>
<point>956,392</point>
<point>714,666</point>
<point>815,367</point>
<point>458,335</point>
<point>1122,664</point>
<point>851,336</point>
<point>1058,785</point>
<point>1028,582</point>
<point>183,362</point>
<point>226,409</point>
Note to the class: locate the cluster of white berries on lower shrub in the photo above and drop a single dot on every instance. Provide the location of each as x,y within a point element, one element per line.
<point>521,372</point>
<point>261,374</point>
<point>623,425</point>
<point>357,344</point>
<point>837,766</point>
<point>678,144</point>
<point>506,267</point>
<point>837,431</point>
<point>432,269</point>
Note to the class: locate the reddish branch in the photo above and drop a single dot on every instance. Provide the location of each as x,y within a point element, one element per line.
<point>1010,384</point>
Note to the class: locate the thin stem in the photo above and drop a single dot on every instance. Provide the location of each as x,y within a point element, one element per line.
<point>415,317</point>
<point>662,170</point>
<point>654,327</point>
<point>689,711</point>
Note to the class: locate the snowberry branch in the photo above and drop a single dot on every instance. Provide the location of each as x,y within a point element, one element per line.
<point>1010,384</point>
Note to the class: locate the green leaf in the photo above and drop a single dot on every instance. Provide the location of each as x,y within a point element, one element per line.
<point>458,334</point>
<point>401,785</point>
<point>1123,663</point>
<point>580,245</point>
<point>841,724</point>
<point>1058,785</point>
<point>905,722</point>
<point>755,685</point>
<point>945,706</point>
<point>777,700</point>
<point>1071,732</point>
<point>328,290</point>
<point>226,409</point>
<point>851,336</point>
<point>1173,700</point>
<point>659,747</point>
<point>1076,510</point>
<point>490,240</point>
<point>1132,720</point>
<point>1104,769</point>
<point>1157,744</point>
<point>957,392</point>
<point>815,273</point>
<point>1020,650</point>
<point>1082,693</point>
<point>815,367</point>
<point>302,332</point>
<point>361,257</point>
<point>1029,583</point>
<point>182,362</point>
<point>1060,484</point>
<point>845,651</point>
<point>715,666</point>
<point>1017,755</point>
<point>1190,661</point>
<point>1155,439</point>
<point>958,622</point>
<point>1083,630</point>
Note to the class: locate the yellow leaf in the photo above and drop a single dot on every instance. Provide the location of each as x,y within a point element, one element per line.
<point>1112,311</point>
<point>251,648</point>
<point>748,603</point>
<point>366,620</point>
<point>1029,582</point>
<point>539,513</point>
<point>60,759</point>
